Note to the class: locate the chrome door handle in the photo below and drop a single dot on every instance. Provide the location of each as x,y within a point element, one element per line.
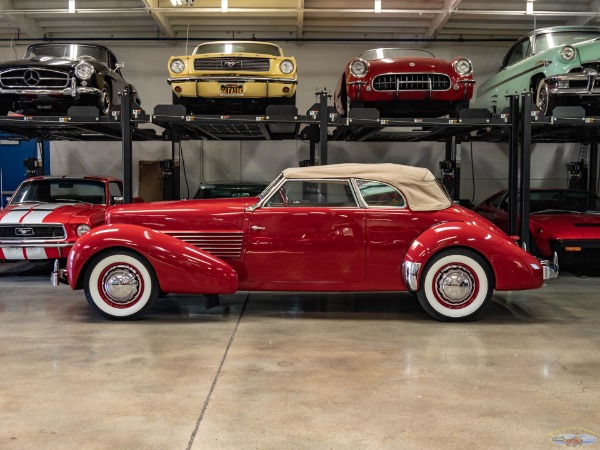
<point>256,227</point>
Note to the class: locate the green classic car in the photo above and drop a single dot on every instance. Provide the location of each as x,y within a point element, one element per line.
<point>558,65</point>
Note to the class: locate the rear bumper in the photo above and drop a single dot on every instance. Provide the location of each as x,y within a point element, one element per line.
<point>550,268</point>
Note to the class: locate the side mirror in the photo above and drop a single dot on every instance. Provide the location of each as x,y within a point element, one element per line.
<point>119,65</point>
<point>117,200</point>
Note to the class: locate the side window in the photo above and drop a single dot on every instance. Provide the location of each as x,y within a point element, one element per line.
<point>378,194</point>
<point>519,51</point>
<point>313,193</point>
<point>114,190</point>
<point>498,201</point>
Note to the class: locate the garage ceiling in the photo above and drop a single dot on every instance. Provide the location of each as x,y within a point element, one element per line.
<point>32,20</point>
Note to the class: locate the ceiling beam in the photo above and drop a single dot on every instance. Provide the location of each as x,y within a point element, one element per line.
<point>595,7</point>
<point>441,19</point>
<point>160,19</point>
<point>24,24</point>
<point>300,26</point>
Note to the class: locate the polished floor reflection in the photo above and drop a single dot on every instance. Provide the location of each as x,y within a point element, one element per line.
<point>298,371</point>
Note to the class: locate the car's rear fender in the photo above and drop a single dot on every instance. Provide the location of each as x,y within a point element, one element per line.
<point>181,268</point>
<point>513,268</point>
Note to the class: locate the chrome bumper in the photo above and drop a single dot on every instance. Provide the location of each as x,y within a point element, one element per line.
<point>550,268</point>
<point>557,84</point>
<point>410,275</point>
<point>58,276</point>
<point>219,79</point>
<point>67,92</point>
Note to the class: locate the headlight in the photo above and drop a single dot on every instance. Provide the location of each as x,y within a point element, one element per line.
<point>84,70</point>
<point>568,53</point>
<point>286,66</point>
<point>358,68</point>
<point>177,66</point>
<point>82,229</point>
<point>463,67</point>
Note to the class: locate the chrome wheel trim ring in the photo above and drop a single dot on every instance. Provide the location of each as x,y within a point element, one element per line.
<point>121,285</point>
<point>455,285</point>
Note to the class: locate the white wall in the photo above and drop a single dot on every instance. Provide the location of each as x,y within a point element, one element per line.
<point>319,66</point>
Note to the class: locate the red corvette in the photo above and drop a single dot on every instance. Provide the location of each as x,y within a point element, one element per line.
<point>47,214</point>
<point>340,228</point>
<point>405,83</point>
<point>565,221</point>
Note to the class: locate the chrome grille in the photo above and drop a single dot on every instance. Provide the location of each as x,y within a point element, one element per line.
<point>412,82</point>
<point>33,78</point>
<point>22,232</point>
<point>220,244</point>
<point>233,64</point>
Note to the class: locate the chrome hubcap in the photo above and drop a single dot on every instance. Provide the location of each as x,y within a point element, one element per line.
<point>455,285</point>
<point>121,284</point>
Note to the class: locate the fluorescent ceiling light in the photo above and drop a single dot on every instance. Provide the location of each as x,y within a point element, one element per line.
<point>377,6</point>
<point>182,2</point>
<point>71,6</point>
<point>529,9</point>
<point>224,6</point>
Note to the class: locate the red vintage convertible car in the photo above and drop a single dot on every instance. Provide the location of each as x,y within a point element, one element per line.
<point>340,228</point>
<point>47,214</point>
<point>403,82</point>
<point>562,221</point>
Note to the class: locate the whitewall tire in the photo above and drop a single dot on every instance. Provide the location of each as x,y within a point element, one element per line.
<point>456,285</point>
<point>120,285</point>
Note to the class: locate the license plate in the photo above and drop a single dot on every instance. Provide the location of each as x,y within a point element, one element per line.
<point>232,90</point>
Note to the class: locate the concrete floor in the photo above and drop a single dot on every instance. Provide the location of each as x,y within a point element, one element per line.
<point>288,371</point>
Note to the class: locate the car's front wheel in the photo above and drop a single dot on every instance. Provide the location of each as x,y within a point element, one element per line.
<point>120,285</point>
<point>456,285</point>
<point>544,100</point>
<point>105,100</point>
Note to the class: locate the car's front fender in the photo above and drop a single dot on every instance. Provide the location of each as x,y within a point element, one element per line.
<point>181,268</point>
<point>512,266</point>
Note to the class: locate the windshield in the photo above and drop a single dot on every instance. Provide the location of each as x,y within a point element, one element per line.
<point>391,53</point>
<point>556,39</point>
<point>70,51</point>
<point>563,200</point>
<point>238,47</point>
<point>60,191</point>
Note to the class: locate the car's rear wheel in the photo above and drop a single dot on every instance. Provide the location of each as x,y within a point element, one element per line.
<point>456,285</point>
<point>121,285</point>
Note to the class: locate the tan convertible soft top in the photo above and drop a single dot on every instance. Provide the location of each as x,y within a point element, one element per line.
<point>418,184</point>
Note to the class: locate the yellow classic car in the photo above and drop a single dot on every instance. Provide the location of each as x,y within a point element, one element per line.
<point>233,77</point>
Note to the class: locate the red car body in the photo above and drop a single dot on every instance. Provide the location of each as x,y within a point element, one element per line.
<point>405,83</point>
<point>42,218</point>
<point>565,221</point>
<point>346,227</point>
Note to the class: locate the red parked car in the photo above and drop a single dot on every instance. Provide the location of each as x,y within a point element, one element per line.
<point>405,83</point>
<point>565,221</point>
<point>47,214</point>
<point>340,228</point>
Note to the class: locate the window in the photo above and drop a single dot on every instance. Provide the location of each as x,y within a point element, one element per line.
<point>313,193</point>
<point>521,50</point>
<point>376,193</point>
<point>114,191</point>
